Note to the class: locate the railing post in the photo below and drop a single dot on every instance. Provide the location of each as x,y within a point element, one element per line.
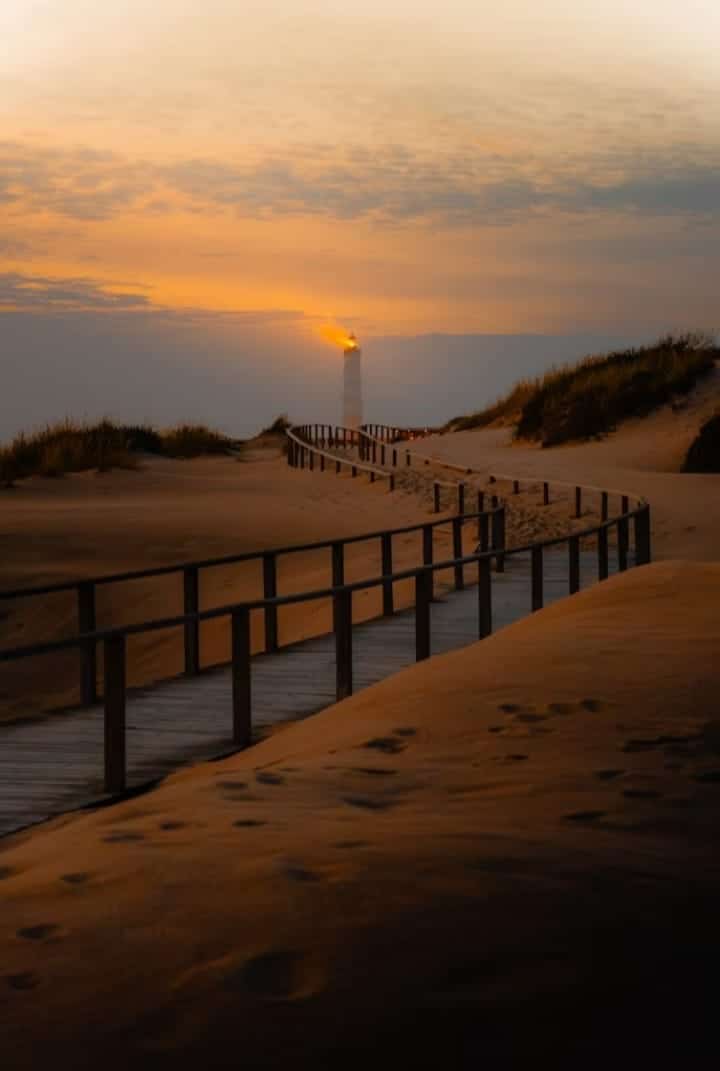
<point>546,494</point>
<point>270,592</point>
<point>427,552</point>
<point>498,538</point>
<point>461,497</point>
<point>312,460</point>
<point>484,598</point>
<point>407,458</point>
<point>457,552</point>
<point>88,653</point>
<point>391,482</point>
<point>574,564</point>
<point>516,487</point>
<point>374,452</point>
<point>343,645</point>
<point>537,578</point>
<point>642,537</point>
<point>322,462</point>
<point>382,455</point>
<point>480,510</point>
<point>241,680</point>
<point>423,595</point>
<point>625,504</point>
<point>114,673</point>
<point>337,468</point>
<point>353,471</point>
<point>604,506</point>
<point>436,497</point>
<point>578,501</point>
<point>191,605</point>
<point>622,543</point>
<point>484,531</point>
<point>372,476</point>
<point>387,568</point>
<point>602,548</point>
<point>394,458</point>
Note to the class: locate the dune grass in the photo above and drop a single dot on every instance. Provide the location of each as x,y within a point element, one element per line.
<point>704,452</point>
<point>592,397</point>
<point>72,447</point>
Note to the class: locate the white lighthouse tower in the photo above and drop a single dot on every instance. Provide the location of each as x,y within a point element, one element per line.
<point>352,384</point>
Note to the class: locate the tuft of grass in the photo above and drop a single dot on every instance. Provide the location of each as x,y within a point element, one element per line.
<point>704,452</point>
<point>505,410</point>
<point>70,447</point>
<point>592,397</point>
<point>194,440</point>
<point>278,427</point>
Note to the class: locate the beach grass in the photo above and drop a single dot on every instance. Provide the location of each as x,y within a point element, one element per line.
<point>69,446</point>
<point>590,398</point>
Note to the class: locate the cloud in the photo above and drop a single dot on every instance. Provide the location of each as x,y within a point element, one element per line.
<point>394,184</point>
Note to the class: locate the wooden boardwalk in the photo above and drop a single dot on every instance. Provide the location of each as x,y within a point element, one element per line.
<point>55,764</point>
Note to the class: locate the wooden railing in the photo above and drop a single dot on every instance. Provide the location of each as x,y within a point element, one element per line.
<point>114,640</point>
<point>305,444</point>
<point>490,526</point>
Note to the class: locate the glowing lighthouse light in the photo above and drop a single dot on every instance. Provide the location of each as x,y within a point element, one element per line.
<point>352,384</point>
<point>352,374</point>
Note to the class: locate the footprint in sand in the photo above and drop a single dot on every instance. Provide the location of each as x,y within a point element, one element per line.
<point>708,777</point>
<point>531,718</point>
<point>264,777</point>
<point>368,804</point>
<point>388,744</point>
<point>173,825</point>
<point>40,932</point>
<point>228,786</point>
<point>352,844</point>
<point>405,731</point>
<point>79,877</point>
<point>509,708</point>
<point>6,872</point>
<point>515,758</point>
<point>23,980</point>
<point>249,823</point>
<point>591,705</point>
<point>608,775</point>
<point>496,728</point>
<point>301,874</point>
<point>584,816</point>
<point>122,837</point>
<point>272,974</point>
<point>641,794</point>
<point>560,708</point>
<point>373,771</point>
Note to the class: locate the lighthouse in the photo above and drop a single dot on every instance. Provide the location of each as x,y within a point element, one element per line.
<point>352,384</point>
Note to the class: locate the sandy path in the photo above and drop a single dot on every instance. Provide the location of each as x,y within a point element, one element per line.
<point>511,847</point>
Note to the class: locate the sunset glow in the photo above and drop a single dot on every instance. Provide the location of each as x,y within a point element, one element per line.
<point>539,168</point>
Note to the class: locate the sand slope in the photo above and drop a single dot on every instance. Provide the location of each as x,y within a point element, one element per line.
<point>643,458</point>
<point>508,847</point>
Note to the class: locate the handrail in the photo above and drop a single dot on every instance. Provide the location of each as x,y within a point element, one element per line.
<point>469,471</point>
<point>159,624</point>
<point>115,639</point>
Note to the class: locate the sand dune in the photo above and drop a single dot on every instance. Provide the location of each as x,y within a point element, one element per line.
<point>508,847</point>
<point>643,457</point>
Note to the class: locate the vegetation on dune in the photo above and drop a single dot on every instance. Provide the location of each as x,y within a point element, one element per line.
<point>592,397</point>
<point>70,447</point>
<point>704,452</point>
<point>278,427</point>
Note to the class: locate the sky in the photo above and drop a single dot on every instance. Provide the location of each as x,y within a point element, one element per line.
<point>188,192</point>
